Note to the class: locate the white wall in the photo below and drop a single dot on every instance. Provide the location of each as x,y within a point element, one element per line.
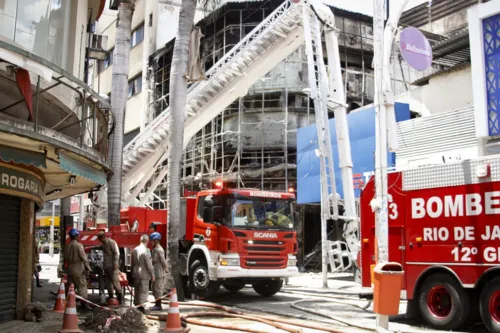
<point>448,91</point>
<point>107,26</point>
<point>75,63</point>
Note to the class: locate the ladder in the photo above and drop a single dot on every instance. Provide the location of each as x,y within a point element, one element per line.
<point>230,78</point>
<point>318,83</point>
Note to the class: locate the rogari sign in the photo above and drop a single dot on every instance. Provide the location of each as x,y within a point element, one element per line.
<point>415,49</point>
<point>20,184</point>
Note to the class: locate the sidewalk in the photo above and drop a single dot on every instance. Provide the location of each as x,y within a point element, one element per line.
<point>53,321</point>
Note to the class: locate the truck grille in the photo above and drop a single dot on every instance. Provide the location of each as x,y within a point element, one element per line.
<point>263,249</point>
<point>262,253</point>
<point>259,262</point>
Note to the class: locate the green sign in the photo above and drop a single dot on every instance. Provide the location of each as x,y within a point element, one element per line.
<point>24,184</point>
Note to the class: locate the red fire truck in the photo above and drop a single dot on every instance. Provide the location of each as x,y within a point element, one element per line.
<point>444,228</point>
<point>229,237</point>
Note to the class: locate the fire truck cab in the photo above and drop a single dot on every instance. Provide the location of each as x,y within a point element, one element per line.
<point>228,237</point>
<point>237,237</point>
<point>444,228</point>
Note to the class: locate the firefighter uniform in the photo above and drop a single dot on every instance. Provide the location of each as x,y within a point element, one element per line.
<point>160,269</point>
<point>278,219</point>
<point>111,258</point>
<point>76,258</point>
<point>142,272</point>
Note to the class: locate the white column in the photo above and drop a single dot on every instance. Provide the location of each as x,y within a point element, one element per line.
<point>380,202</point>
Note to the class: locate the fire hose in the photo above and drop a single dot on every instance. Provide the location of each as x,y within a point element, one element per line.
<point>345,321</point>
<point>188,316</point>
<point>333,299</point>
<point>251,317</point>
<point>208,324</point>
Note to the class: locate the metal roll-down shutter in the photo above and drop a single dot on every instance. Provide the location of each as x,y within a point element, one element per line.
<point>10,213</point>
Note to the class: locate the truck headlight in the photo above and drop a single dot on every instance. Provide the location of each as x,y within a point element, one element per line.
<point>229,261</point>
<point>292,262</point>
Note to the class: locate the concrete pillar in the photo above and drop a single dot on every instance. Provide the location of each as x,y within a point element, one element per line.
<point>25,267</point>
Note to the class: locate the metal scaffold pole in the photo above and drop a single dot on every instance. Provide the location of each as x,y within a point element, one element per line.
<point>380,203</point>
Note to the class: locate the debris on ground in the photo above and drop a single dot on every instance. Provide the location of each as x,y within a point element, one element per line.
<point>35,312</point>
<point>131,321</point>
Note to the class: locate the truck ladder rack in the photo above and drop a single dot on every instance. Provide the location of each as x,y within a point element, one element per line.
<point>230,78</point>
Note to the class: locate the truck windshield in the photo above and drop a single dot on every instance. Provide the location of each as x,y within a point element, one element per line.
<point>261,214</point>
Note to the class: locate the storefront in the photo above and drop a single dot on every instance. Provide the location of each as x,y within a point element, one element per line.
<point>21,190</point>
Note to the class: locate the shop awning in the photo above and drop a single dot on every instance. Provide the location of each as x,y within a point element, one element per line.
<point>81,169</point>
<point>21,156</point>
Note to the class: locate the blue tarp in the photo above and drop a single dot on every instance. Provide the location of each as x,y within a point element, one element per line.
<point>362,134</point>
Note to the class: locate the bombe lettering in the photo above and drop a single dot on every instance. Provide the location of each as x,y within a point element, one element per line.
<point>470,204</point>
<point>265,194</point>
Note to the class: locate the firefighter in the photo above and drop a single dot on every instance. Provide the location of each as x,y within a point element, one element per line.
<point>142,272</point>
<point>110,265</point>
<point>278,219</point>
<point>78,265</point>
<point>160,269</point>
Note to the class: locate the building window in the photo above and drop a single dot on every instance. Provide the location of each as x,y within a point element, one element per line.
<point>135,86</point>
<point>103,64</point>
<point>39,26</point>
<point>137,36</point>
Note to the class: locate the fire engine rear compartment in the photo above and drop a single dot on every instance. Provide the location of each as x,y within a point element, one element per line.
<point>443,229</point>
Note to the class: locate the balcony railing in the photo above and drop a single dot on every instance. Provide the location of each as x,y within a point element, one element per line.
<point>65,105</point>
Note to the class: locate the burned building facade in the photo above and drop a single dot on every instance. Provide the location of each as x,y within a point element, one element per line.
<point>252,144</point>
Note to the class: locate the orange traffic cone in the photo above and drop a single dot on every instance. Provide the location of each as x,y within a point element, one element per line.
<point>70,320</point>
<point>173,323</point>
<point>60,305</point>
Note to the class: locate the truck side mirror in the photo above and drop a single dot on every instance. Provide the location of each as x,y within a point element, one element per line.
<point>208,215</point>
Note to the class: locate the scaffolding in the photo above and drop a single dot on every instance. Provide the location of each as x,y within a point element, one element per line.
<point>252,144</point>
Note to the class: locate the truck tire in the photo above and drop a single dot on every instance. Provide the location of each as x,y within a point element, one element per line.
<point>199,279</point>
<point>234,286</point>
<point>443,303</point>
<point>489,305</point>
<point>268,287</point>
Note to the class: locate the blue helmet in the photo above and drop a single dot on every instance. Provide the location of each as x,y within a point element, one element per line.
<point>155,236</point>
<point>74,233</point>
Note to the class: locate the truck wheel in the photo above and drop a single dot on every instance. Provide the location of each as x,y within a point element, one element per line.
<point>234,286</point>
<point>199,279</point>
<point>268,287</point>
<point>443,303</point>
<point>489,305</point>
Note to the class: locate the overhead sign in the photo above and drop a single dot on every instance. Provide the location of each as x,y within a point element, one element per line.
<point>415,49</point>
<point>22,184</point>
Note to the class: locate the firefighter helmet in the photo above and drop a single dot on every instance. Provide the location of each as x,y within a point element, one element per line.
<point>74,233</point>
<point>155,236</point>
